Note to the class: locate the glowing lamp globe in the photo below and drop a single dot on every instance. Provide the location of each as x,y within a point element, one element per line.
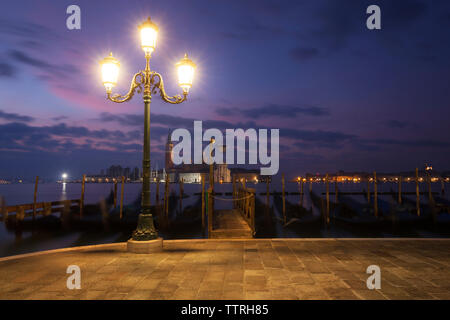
<point>185,70</point>
<point>110,72</point>
<point>149,33</point>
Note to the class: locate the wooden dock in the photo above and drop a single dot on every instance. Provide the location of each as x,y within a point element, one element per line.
<point>230,224</point>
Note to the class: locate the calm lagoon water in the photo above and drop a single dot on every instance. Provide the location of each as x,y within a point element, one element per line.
<point>23,193</point>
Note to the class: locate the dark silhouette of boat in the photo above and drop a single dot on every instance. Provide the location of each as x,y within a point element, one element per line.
<point>303,221</point>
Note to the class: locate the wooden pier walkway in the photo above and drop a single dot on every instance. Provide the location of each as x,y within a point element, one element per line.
<point>237,223</point>
<point>230,224</point>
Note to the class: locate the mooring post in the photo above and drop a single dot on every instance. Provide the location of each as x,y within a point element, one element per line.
<point>157,189</point>
<point>368,189</point>
<point>328,197</point>
<point>121,197</point>
<point>35,196</point>
<point>181,195</point>
<point>430,195</point>
<point>182,186</point>
<point>115,192</point>
<point>301,192</point>
<point>442,186</point>
<point>210,211</point>
<point>211,167</point>
<point>400,190</point>
<point>283,196</point>
<point>3,209</point>
<point>166,198</point>
<point>203,200</point>
<point>233,180</point>
<point>375,194</point>
<point>83,182</point>
<point>310,185</point>
<point>417,193</point>
<point>252,213</point>
<point>246,203</point>
<point>335,190</point>
<point>20,213</point>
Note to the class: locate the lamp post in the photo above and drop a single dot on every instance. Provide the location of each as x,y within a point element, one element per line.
<point>147,82</point>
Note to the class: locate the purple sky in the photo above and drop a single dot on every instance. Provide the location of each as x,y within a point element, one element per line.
<point>343,97</point>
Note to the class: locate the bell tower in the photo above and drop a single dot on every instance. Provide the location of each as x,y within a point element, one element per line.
<point>169,147</point>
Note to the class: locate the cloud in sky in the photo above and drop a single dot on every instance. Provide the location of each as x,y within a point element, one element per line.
<point>25,137</point>
<point>51,70</point>
<point>426,143</point>
<point>18,136</point>
<point>397,124</point>
<point>27,30</point>
<point>302,53</point>
<point>7,70</point>
<point>276,110</point>
<point>14,117</point>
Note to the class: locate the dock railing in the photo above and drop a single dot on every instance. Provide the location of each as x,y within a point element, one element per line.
<point>20,212</point>
<point>245,203</point>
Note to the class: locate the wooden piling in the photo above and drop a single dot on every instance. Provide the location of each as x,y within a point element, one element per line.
<point>3,209</point>
<point>181,195</point>
<point>115,192</point>
<point>166,199</point>
<point>65,214</point>
<point>203,199</point>
<point>157,189</point>
<point>368,190</point>
<point>417,193</point>
<point>301,192</point>
<point>233,180</point>
<point>83,183</point>
<point>335,190</point>
<point>310,185</point>
<point>211,167</point>
<point>442,186</point>
<point>121,197</point>
<point>182,187</point>
<point>284,199</point>
<point>430,195</point>
<point>210,211</point>
<point>328,198</point>
<point>375,194</point>
<point>35,196</point>
<point>400,190</point>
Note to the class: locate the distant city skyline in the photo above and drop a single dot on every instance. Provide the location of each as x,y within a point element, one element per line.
<point>344,97</point>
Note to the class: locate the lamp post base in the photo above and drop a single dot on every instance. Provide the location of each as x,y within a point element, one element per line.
<point>145,230</point>
<point>151,246</point>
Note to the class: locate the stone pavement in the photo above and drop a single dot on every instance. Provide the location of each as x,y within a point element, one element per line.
<point>237,269</point>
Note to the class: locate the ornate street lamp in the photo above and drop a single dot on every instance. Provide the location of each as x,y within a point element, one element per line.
<point>147,82</point>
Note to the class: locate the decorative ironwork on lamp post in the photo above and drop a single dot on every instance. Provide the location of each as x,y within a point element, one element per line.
<point>147,82</point>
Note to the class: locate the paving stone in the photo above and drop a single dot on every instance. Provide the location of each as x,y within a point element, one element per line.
<point>209,295</point>
<point>367,294</point>
<point>248,269</point>
<point>258,295</point>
